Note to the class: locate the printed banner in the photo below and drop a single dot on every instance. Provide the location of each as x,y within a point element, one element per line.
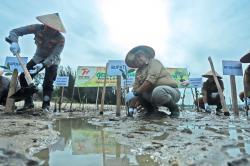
<point>62,81</point>
<point>180,75</point>
<point>116,67</point>
<point>13,63</point>
<point>92,76</point>
<point>195,82</point>
<point>232,68</point>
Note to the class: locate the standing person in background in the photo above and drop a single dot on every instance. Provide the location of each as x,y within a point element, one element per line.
<point>210,93</point>
<point>153,85</point>
<point>50,43</point>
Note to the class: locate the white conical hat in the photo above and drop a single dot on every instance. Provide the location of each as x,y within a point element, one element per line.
<point>53,21</point>
<point>210,73</point>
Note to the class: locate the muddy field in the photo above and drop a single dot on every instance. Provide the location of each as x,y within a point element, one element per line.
<point>196,138</point>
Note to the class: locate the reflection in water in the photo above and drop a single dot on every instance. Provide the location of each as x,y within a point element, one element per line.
<point>81,143</point>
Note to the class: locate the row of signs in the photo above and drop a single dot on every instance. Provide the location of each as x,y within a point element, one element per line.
<point>92,76</point>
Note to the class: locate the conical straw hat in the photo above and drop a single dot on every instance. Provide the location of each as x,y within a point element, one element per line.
<point>210,73</point>
<point>53,21</point>
<point>130,57</point>
<point>245,58</point>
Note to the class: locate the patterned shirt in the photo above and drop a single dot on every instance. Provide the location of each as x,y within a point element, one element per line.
<point>155,73</point>
<point>211,87</point>
<point>49,46</point>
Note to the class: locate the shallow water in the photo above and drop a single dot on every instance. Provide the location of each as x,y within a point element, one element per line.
<point>81,143</point>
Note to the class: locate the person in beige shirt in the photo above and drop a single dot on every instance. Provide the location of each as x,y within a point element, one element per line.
<point>153,86</point>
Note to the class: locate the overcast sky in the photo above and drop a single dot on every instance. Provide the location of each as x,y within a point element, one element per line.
<point>182,32</point>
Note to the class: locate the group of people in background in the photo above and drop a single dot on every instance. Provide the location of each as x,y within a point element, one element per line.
<point>153,85</point>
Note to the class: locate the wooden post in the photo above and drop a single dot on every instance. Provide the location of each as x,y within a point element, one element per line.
<point>104,90</point>
<point>183,98</point>
<point>61,98</point>
<point>118,96</point>
<point>97,96</point>
<point>234,95</point>
<point>245,92</point>
<point>79,95</point>
<point>72,95</point>
<point>10,103</point>
<point>222,99</point>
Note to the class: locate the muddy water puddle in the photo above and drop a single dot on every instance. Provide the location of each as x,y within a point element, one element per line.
<point>81,143</point>
<point>241,143</point>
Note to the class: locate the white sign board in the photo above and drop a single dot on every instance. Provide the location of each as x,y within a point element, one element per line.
<point>232,68</point>
<point>62,81</point>
<point>195,82</point>
<point>14,64</point>
<point>116,67</point>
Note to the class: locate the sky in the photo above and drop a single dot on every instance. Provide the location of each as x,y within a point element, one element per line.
<point>184,33</point>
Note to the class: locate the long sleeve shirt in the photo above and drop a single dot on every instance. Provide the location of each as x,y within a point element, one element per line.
<point>155,73</point>
<point>49,46</point>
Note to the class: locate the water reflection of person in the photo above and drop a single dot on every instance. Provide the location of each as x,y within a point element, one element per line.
<point>145,160</point>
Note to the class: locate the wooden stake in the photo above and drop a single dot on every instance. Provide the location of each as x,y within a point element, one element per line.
<point>245,92</point>
<point>72,95</point>
<point>104,90</point>
<point>10,103</point>
<point>234,95</point>
<point>61,99</point>
<point>223,103</point>
<point>118,96</point>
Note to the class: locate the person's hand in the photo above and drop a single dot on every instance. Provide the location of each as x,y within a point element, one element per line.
<point>214,94</point>
<point>14,48</point>
<point>207,108</point>
<point>36,68</point>
<point>134,103</point>
<point>248,101</point>
<point>136,93</point>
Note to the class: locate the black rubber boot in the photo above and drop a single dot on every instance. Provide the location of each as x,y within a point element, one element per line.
<point>174,109</point>
<point>28,104</point>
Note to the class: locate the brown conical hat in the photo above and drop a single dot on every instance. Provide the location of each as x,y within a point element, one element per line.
<point>130,58</point>
<point>210,73</point>
<point>53,21</point>
<point>245,58</point>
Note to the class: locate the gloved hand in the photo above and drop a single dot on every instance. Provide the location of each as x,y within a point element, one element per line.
<point>136,93</point>
<point>214,94</point>
<point>207,108</point>
<point>36,68</point>
<point>129,97</point>
<point>14,48</point>
<point>248,101</point>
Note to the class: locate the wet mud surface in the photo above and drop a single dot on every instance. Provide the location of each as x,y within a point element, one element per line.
<point>195,138</point>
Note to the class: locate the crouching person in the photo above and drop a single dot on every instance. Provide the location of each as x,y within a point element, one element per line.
<point>210,93</point>
<point>4,88</point>
<point>246,80</point>
<point>153,86</point>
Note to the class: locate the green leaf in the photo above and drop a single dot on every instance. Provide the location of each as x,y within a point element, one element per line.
<point>4,67</point>
<point>8,74</point>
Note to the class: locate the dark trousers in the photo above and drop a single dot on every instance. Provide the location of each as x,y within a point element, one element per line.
<point>210,101</point>
<point>49,78</point>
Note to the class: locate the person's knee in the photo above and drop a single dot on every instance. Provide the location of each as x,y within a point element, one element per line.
<point>159,97</point>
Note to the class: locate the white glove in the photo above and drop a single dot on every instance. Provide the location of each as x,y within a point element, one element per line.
<point>14,48</point>
<point>207,108</point>
<point>129,96</point>
<point>248,101</point>
<point>214,94</point>
<point>36,68</point>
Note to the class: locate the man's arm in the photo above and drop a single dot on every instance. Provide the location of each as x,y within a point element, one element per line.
<point>29,29</point>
